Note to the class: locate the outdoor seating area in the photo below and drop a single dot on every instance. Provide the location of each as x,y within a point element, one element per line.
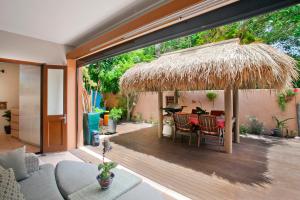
<point>200,125</point>
<point>150,100</point>
<point>227,65</point>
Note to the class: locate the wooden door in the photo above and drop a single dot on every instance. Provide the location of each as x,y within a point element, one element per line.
<point>54,108</point>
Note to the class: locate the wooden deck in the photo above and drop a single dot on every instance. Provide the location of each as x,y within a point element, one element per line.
<point>258,168</point>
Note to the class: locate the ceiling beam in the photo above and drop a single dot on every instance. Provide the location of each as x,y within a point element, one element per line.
<point>240,10</point>
<point>115,35</point>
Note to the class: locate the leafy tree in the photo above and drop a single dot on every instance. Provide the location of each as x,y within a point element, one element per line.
<point>280,29</point>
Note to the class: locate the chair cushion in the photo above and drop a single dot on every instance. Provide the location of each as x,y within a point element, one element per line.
<point>16,160</point>
<point>72,176</point>
<point>9,187</point>
<point>41,185</point>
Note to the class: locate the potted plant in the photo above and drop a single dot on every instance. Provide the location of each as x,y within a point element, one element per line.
<point>115,115</point>
<point>289,94</point>
<point>168,127</point>
<point>7,116</point>
<point>285,97</point>
<point>211,96</point>
<point>105,176</point>
<point>280,126</point>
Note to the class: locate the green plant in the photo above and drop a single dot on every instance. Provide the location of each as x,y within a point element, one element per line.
<point>211,95</point>
<point>105,167</point>
<point>284,97</point>
<point>281,124</point>
<point>243,129</point>
<point>290,93</point>
<point>115,114</point>
<point>254,126</point>
<point>7,115</point>
<point>281,101</point>
<point>99,110</point>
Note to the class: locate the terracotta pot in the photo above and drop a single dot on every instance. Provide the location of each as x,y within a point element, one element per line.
<point>105,183</point>
<point>289,98</point>
<point>105,122</point>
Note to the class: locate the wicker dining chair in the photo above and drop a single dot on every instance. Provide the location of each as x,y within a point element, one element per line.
<point>217,112</point>
<point>183,127</point>
<point>209,129</point>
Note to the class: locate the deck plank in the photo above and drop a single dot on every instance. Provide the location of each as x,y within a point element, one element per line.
<point>266,168</point>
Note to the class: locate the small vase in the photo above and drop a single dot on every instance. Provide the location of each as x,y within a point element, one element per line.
<point>105,183</point>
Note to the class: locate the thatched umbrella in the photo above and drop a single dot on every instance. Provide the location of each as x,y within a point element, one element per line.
<point>224,65</point>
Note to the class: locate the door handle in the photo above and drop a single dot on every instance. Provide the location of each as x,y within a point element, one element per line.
<point>65,118</point>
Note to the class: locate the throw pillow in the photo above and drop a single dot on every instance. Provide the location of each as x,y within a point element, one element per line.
<point>9,187</point>
<point>16,160</point>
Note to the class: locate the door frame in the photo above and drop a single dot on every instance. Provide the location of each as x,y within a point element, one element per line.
<point>23,62</point>
<point>45,101</point>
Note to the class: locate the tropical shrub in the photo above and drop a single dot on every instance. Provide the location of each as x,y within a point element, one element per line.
<point>254,126</point>
<point>115,114</point>
<point>243,129</point>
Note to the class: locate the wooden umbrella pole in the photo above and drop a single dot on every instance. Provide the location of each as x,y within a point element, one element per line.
<point>236,115</point>
<point>228,120</point>
<point>160,114</point>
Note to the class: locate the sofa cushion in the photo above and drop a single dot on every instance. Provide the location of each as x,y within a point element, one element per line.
<point>9,187</point>
<point>41,185</point>
<point>78,173</point>
<point>16,160</point>
<point>32,162</point>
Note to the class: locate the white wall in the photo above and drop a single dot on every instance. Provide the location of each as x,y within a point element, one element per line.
<point>30,104</point>
<point>18,47</point>
<point>9,89</point>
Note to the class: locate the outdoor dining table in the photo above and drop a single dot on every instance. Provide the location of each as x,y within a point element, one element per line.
<point>194,119</point>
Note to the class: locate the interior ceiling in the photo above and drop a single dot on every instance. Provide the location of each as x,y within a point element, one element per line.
<point>68,22</point>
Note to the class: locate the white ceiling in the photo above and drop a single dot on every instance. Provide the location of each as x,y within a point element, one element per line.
<point>69,22</point>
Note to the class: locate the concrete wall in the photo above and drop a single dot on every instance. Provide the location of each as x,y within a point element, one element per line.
<point>9,89</point>
<point>259,103</point>
<point>18,47</point>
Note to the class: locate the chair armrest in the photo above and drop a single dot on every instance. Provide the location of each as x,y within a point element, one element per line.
<point>31,162</point>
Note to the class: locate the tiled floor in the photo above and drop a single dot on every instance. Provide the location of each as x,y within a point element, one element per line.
<point>7,142</point>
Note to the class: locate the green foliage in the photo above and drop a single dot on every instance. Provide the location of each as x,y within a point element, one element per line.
<point>211,95</point>
<point>254,126</point>
<point>281,124</point>
<point>7,115</point>
<point>110,70</point>
<point>290,93</point>
<point>115,114</point>
<point>280,28</point>
<point>105,168</point>
<point>284,97</point>
<point>99,110</point>
<point>281,101</point>
<point>243,129</point>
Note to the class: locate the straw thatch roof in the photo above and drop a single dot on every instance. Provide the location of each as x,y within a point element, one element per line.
<point>213,66</point>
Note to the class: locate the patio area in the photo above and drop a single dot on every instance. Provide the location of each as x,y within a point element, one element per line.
<point>257,168</point>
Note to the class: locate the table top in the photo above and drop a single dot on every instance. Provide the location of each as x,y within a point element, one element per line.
<point>195,120</point>
<point>123,182</point>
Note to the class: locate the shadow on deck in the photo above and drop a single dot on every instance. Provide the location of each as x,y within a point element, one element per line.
<point>247,164</point>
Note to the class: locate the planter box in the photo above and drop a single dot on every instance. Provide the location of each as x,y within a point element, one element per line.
<point>90,124</point>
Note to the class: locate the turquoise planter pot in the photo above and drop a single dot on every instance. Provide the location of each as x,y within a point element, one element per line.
<point>90,124</point>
